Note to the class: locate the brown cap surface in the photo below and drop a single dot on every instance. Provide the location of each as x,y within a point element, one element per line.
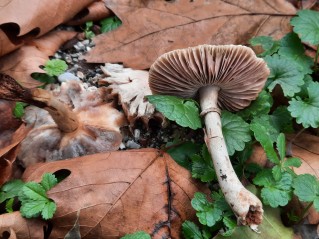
<point>234,68</point>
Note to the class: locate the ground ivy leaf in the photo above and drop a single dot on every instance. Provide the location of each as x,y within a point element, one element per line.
<point>292,48</point>
<point>55,67</point>
<point>184,112</point>
<point>281,120</point>
<point>110,23</point>
<point>235,131</point>
<point>11,189</point>
<point>306,187</point>
<point>48,181</point>
<point>191,230</point>
<point>137,235</point>
<point>202,169</point>
<point>267,122</point>
<point>292,162</point>
<point>34,191</point>
<point>264,178</point>
<point>306,111</point>
<point>306,26</point>
<point>259,106</point>
<point>286,73</point>
<point>48,210</point>
<point>32,208</point>
<point>269,45</point>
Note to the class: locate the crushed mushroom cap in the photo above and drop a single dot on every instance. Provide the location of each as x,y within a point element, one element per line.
<point>234,68</point>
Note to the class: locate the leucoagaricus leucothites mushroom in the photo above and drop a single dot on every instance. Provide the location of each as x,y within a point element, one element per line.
<point>71,121</point>
<point>223,77</point>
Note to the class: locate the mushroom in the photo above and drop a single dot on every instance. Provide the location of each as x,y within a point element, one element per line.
<point>223,77</point>
<point>72,121</point>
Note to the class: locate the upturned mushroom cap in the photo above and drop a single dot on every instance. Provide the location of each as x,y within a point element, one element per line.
<point>234,68</point>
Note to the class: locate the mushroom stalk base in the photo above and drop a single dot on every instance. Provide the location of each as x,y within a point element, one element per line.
<point>246,206</point>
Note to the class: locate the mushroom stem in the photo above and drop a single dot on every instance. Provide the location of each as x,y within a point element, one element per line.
<point>246,206</point>
<point>65,118</point>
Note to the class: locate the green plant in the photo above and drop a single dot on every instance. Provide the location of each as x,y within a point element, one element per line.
<point>89,34</point>
<point>137,235</point>
<point>32,195</point>
<point>18,110</point>
<point>110,23</point>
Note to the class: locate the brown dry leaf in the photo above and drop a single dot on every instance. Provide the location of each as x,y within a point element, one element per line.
<point>8,121</point>
<point>22,20</point>
<point>21,63</point>
<point>117,193</point>
<point>8,152</point>
<point>151,28</point>
<point>131,87</point>
<point>94,12</point>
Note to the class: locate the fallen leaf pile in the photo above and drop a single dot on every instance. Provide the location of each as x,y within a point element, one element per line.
<point>152,28</point>
<point>115,193</point>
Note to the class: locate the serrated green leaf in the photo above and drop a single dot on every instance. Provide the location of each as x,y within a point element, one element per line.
<point>259,106</point>
<point>230,224</point>
<point>9,205</point>
<point>181,154</point>
<point>264,178</point>
<point>281,120</point>
<point>110,23</point>
<point>10,189</point>
<point>34,191</point>
<point>266,121</point>
<point>18,110</point>
<point>32,208</point>
<point>48,181</point>
<point>269,45</point>
<point>292,48</point>
<point>202,169</point>
<point>89,34</point>
<point>306,26</point>
<point>183,112</point>
<point>281,146</point>
<point>276,172</point>
<point>263,136</point>
<point>55,67</point>
<point>235,131</point>
<point>292,162</point>
<point>43,77</point>
<point>286,73</point>
<point>306,111</point>
<point>48,210</point>
<point>191,231</point>
<point>306,187</point>
<point>137,235</point>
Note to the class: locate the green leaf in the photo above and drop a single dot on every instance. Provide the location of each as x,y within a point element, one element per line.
<point>267,43</point>
<point>306,111</point>
<point>230,224</point>
<point>181,154</point>
<point>271,228</point>
<point>32,208</point>
<point>206,212</point>
<point>266,121</point>
<point>259,106</point>
<point>55,67</point>
<point>89,34</point>
<point>137,235</point>
<point>18,110</point>
<point>306,26</point>
<point>276,172</point>
<point>43,77</point>
<point>48,210</point>
<point>110,23</point>
<point>281,146</point>
<point>184,112</point>
<point>306,187</point>
<point>235,131</point>
<point>281,120</point>
<point>88,24</point>
<point>262,135</point>
<point>316,203</point>
<point>202,169</point>
<point>9,205</point>
<point>11,189</point>
<point>34,191</point>
<point>48,181</point>
<point>291,47</point>
<point>292,162</point>
<point>191,231</point>
<point>286,73</point>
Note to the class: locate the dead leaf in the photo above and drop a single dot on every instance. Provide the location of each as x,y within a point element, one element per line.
<point>22,20</point>
<point>131,87</point>
<point>118,193</point>
<point>94,12</point>
<point>8,121</point>
<point>151,28</point>
<point>21,63</point>
<point>8,152</point>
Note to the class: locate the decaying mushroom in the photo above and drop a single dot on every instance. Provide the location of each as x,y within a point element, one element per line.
<point>224,77</point>
<point>67,123</point>
<point>131,86</point>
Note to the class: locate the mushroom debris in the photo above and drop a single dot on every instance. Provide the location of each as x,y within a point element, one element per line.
<point>71,121</point>
<point>223,77</point>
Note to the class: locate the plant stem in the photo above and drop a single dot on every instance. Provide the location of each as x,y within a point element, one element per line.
<point>246,206</point>
<point>304,212</point>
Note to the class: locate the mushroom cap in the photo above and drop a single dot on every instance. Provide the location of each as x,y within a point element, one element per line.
<point>234,68</point>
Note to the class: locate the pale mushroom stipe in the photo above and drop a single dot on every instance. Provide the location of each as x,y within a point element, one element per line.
<point>223,77</point>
